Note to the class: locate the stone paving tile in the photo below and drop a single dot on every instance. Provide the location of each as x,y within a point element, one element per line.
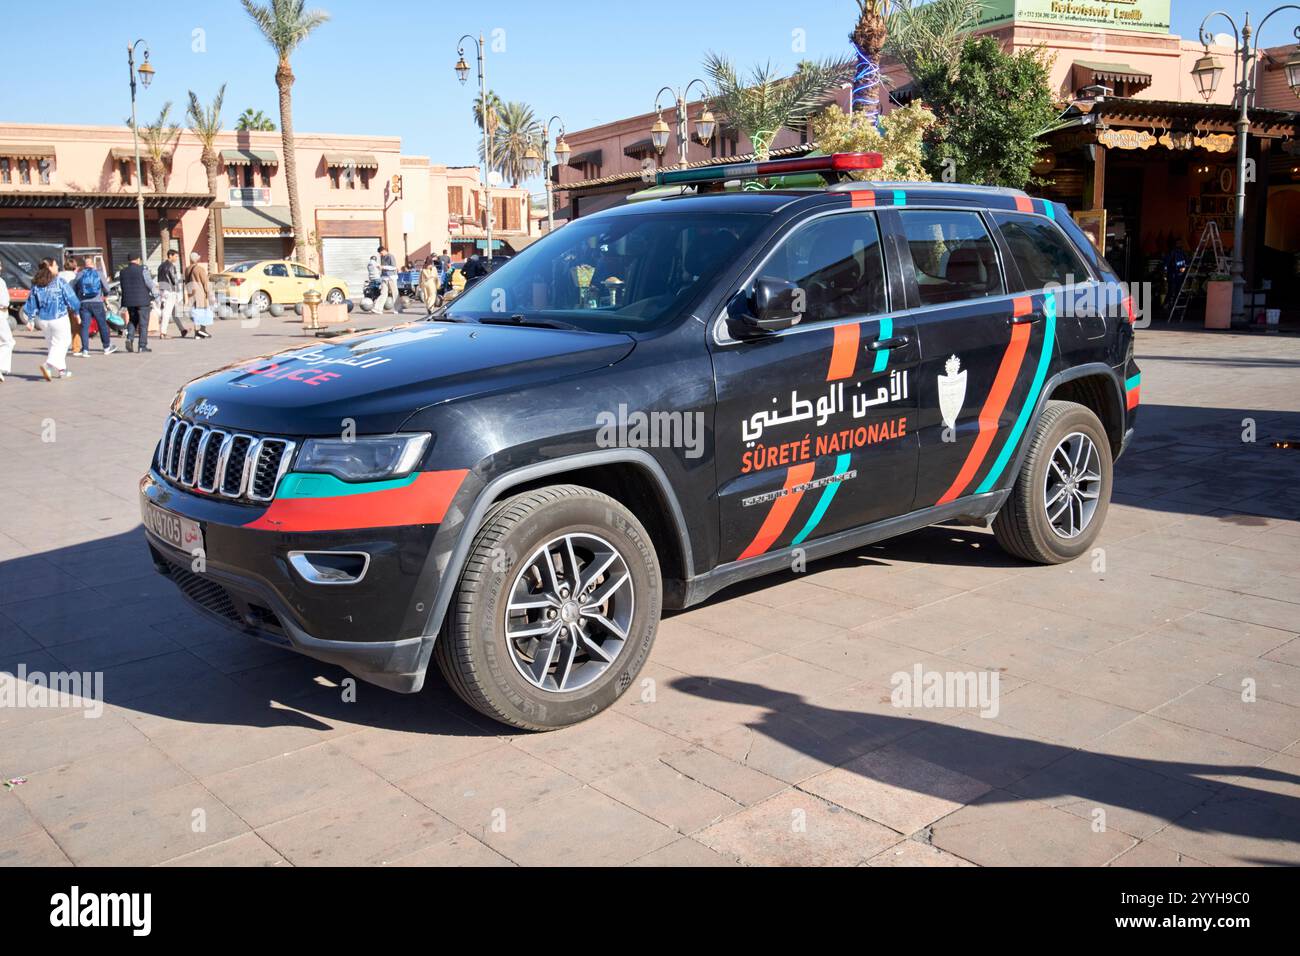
<point>689,708</point>
<point>1263,723</point>
<point>42,745</point>
<point>797,829</point>
<point>474,791</point>
<point>1179,751</point>
<point>1250,640</point>
<point>1234,831</point>
<point>980,748</point>
<point>292,784</point>
<point>683,852</point>
<point>596,748</point>
<point>1000,829</point>
<point>1135,800</point>
<point>665,794</point>
<point>900,790</point>
<point>247,849</point>
<point>723,775</point>
<point>149,829</point>
<point>584,828</point>
<point>35,848</point>
<point>701,653</point>
<point>460,850</point>
<point>1147,854</point>
<point>915,853</point>
<point>373,825</point>
<point>1059,715</point>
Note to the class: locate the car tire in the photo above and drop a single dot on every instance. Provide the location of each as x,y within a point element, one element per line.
<point>335,297</point>
<point>1059,502</point>
<point>259,302</point>
<point>490,670</point>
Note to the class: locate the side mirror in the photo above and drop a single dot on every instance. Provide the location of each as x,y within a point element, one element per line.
<point>768,307</point>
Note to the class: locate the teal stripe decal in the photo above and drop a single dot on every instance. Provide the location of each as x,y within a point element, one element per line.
<point>1132,383</point>
<point>882,357</point>
<point>1031,400</point>
<point>824,502</point>
<point>1049,208</point>
<point>299,484</point>
<point>900,197</point>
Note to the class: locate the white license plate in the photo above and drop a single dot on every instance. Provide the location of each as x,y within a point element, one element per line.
<point>184,534</point>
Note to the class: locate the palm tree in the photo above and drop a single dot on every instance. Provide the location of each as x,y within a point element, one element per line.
<point>928,39</point>
<point>286,24</point>
<point>493,113</point>
<point>156,142</point>
<point>516,131</point>
<point>868,39</point>
<point>205,124</point>
<point>766,103</point>
<point>254,121</point>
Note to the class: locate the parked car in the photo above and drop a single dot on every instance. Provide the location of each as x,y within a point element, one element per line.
<point>280,281</point>
<point>656,402</point>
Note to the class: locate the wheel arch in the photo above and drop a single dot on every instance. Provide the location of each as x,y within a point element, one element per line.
<point>629,475</point>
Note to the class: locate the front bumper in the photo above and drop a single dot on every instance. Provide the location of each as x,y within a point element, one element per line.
<point>374,628</point>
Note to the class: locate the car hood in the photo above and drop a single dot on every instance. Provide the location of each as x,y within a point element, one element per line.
<point>377,379</point>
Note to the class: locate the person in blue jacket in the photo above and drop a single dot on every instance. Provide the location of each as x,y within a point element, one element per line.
<point>48,306</point>
<point>89,287</point>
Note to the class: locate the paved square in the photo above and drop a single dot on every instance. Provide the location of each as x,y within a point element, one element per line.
<point>1148,710</point>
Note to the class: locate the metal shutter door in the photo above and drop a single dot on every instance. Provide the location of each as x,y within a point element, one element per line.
<point>121,248</point>
<point>253,249</point>
<point>347,258</point>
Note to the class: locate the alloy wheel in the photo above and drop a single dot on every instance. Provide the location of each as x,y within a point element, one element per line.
<point>1072,485</point>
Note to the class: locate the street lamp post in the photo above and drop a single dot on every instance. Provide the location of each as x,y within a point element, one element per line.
<point>462,71</point>
<point>146,73</point>
<point>533,164</point>
<point>704,125</point>
<point>1207,73</point>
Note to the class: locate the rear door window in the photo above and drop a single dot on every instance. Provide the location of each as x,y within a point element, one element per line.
<point>1041,251</point>
<point>953,255</point>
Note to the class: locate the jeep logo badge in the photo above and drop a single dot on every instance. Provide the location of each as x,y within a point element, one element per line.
<point>204,409</point>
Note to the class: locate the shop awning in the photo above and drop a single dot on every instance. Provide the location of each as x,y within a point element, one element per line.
<point>1095,73</point>
<point>89,200</point>
<point>247,157</point>
<point>642,147</point>
<point>251,221</point>
<point>27,151</point>
<point>593,156</point>
<point>343,160</point>
<point>126,154</point>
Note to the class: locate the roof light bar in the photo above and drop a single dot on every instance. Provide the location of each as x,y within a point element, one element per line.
<point>829,166</point>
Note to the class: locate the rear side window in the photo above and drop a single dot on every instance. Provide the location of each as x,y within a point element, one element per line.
<point>1042,252</point>
<point>953,255</point>
<point>277,269</point>
<point>836,261</point>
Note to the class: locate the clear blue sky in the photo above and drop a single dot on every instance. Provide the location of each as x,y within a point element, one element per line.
<point>385,66</point>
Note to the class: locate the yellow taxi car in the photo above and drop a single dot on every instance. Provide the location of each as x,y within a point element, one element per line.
<point>258,284</point>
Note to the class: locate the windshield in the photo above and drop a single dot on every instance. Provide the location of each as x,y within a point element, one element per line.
<point>242,267</point>
<point>623,273</point>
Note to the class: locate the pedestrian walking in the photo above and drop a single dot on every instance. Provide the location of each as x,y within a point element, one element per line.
<point>444,263</point>
<point>430,281</point>
<point>48,305</point>
<point>138,293</point>
<point>198,288</point>
<point>6,333</point>
<point>171,285</point>
<point>89,287</point>
<point>387,280</point>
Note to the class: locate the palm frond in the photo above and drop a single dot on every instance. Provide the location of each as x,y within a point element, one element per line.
<point>284,23</point>
<point>205,121</point>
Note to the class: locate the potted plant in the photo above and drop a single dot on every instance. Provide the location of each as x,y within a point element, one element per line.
<point>1218,301</point>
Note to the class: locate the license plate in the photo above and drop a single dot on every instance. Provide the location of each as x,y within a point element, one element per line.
<point>184,534</point>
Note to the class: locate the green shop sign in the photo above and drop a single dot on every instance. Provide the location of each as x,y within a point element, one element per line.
<point>1146,16</point>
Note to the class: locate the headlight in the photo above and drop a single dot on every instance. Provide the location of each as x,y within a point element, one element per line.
<point>363,459</point>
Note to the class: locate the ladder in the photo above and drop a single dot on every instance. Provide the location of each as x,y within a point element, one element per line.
<point>1199,269</point>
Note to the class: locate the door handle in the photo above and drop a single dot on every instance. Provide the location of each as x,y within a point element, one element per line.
<point>897,342</point>
<point>1027,318</point>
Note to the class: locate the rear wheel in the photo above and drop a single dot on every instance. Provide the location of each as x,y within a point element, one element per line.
<point>556,610</point>
<point>1062,494</point>
<point>259,302</point>
<point>335,297</point>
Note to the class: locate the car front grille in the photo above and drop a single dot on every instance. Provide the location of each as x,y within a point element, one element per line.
<point>219,462</point>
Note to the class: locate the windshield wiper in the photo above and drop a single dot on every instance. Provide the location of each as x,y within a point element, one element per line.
<point>530,321</point>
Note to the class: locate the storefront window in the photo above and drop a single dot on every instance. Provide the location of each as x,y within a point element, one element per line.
<point>46,167</point>
<point>25,172</point>
<point>6,174</point>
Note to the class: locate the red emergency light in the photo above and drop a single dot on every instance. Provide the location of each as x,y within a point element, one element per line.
<point>831,167</point>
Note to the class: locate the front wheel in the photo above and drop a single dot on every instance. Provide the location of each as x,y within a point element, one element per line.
<point>335,297</point>
<point>1061,496</point>
<point>556,610</point>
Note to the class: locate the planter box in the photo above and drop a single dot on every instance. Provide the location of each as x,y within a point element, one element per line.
<point>1218,304</point>
<point>328,314</point>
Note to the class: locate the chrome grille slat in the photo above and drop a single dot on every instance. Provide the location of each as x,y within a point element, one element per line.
<point>233,465</point>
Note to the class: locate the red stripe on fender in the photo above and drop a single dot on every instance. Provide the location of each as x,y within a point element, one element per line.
<point>844,356</point>
<point>423,501</point>
<point>994,404</point>
<point>1024,204</point>
<point>782,510</point>
<point>862,197</point>
<point>1134,397</point>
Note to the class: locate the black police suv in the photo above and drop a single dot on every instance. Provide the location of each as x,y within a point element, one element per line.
<point>643,407</point>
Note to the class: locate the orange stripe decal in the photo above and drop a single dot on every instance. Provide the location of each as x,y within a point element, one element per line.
<point>994,404</point>
<point>860,198</point>
<point>782,511</point>
<point>844,356</point>
<point>1134,397</point>
<point>1024,204</point>
<point>424,501</point>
